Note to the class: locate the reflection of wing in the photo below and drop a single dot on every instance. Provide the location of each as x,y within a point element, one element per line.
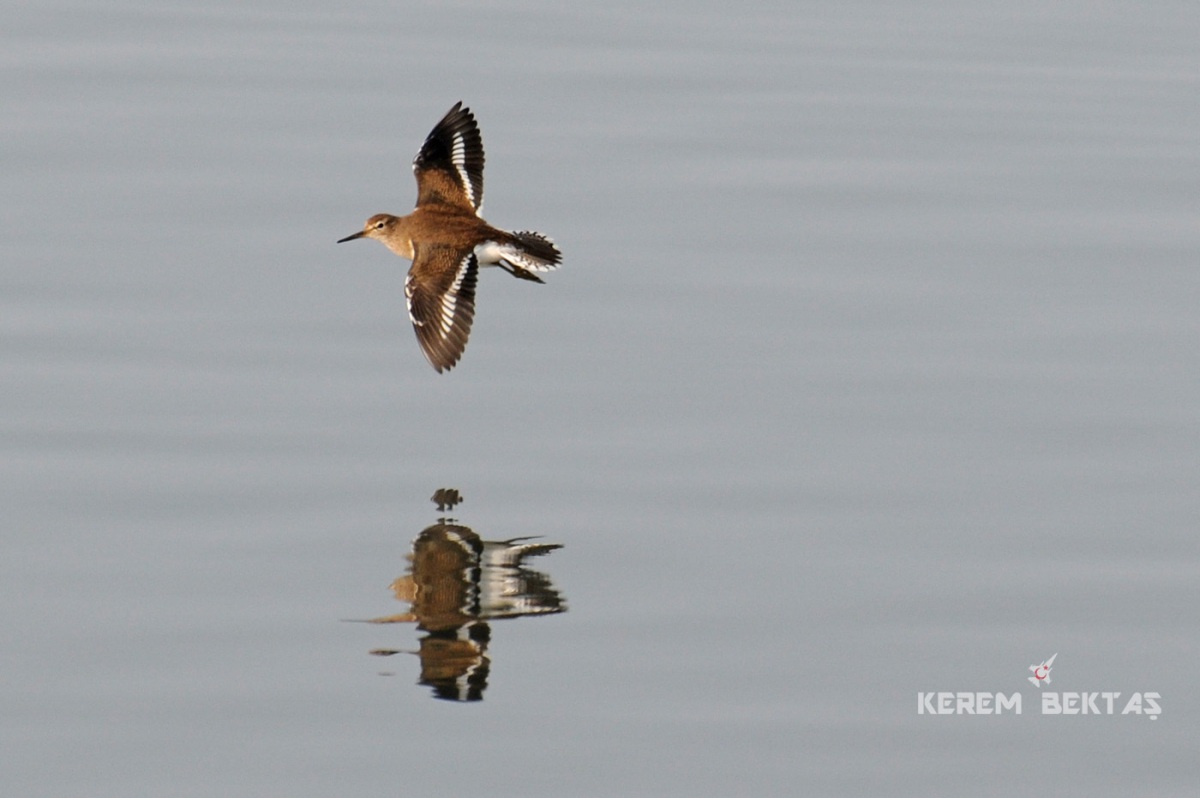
<point>454,662</point>
<point>449,167</point>
<point>441,301</point>
<point>446,498</point>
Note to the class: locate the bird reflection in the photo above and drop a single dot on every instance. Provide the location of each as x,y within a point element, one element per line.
<point>446,499</point>
<point>457,583</point>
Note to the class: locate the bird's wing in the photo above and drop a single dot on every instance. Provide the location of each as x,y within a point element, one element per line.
<point>449,167</point>
<point>441,300</point>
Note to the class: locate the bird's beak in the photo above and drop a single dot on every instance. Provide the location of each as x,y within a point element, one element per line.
<point>359,234</point>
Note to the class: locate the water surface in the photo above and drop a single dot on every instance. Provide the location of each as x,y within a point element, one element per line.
<point>871,371</point>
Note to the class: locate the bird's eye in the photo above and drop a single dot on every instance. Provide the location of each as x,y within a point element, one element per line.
<point>379,225</point>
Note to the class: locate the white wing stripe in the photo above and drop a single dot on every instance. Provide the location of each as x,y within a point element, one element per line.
<point>450,298</point>
<point>408,297</point>
<point>458,157</point>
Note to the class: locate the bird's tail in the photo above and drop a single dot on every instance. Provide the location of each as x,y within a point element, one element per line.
<point>527,252</point>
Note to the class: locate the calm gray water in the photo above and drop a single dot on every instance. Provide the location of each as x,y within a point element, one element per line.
<point>872,371</point>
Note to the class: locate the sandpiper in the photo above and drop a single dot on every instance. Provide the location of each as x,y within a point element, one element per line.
<point>447,239</point>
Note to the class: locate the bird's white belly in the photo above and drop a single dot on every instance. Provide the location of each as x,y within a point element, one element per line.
<point>490,253</point>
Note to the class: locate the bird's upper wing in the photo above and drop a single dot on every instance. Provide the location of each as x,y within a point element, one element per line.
<point>449,167</point>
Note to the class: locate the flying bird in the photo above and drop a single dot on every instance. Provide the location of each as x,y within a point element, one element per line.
<point>447,239</point>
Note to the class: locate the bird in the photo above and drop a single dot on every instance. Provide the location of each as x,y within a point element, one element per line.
<point>447,239</point>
